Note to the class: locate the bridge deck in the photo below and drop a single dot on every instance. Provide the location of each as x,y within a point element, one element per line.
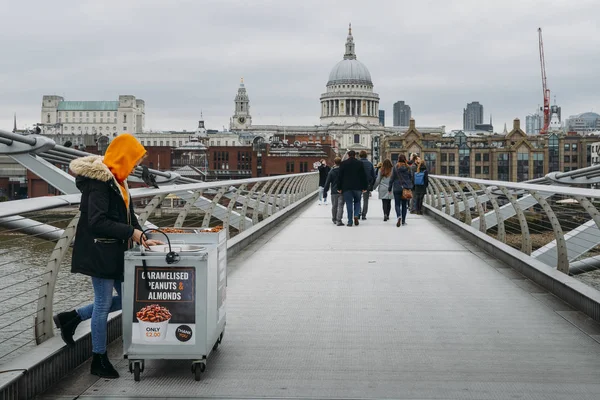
<point>375,311</point>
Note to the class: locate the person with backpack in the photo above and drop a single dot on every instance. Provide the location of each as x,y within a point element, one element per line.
<point>421,182</point>
<point>383,182</point>
<point>412,162</point>
<point>401,184</point>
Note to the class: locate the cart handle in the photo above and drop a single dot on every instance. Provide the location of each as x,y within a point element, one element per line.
<point>172,257</point>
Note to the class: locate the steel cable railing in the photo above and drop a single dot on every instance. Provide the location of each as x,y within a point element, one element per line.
<point>555,224</point>
<point>35,277</point>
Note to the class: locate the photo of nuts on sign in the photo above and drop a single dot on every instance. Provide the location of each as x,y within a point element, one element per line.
<point>154,322</point>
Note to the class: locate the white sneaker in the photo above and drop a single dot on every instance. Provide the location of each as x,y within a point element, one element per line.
<point>319,203</point>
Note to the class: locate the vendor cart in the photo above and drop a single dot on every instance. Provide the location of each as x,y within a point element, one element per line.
<point>172,308</point>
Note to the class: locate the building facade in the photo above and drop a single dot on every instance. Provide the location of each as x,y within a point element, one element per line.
<point>382,117</point>
<point>514,156</point>
<point>106,118</point>
<point>472,115</point>
<point>402,114</point>
<point>533,123</point>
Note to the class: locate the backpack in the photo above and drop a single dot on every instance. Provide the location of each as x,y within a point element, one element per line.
<point>419,178</point>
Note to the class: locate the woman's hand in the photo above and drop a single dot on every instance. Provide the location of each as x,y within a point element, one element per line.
<point>153,242</point>
<point>139,237</point>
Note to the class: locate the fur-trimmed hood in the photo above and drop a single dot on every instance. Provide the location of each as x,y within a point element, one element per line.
<point>91,167</point>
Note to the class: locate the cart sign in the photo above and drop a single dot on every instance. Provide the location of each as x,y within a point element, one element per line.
<point>164,308</point>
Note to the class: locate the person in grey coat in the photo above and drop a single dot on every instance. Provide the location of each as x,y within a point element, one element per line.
<point>383,183</point>
<point>337,201</point>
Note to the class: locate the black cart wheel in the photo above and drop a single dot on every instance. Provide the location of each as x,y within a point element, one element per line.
<point>198,369</point>
<point>136,372</point>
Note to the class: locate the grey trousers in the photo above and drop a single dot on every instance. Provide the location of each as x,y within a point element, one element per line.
<point>365,205</point>
<point>337,207</point>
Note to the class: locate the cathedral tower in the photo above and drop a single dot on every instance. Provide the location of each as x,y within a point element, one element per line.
<point>241,119</point>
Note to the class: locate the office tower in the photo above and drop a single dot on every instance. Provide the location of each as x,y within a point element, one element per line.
<point>402,114</point>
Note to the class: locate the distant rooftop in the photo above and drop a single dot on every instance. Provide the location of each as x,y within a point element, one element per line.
<point>88,106</point>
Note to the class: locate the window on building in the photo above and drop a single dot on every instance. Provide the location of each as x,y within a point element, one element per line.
<point>451,170</point>
<point>94,114</point>
<point>567,147</point>
<point>477,156</point>
<point>444,157</point>
<point>451,157</point>
<point>289,166</point>
<point>218,142</point>
<point>574,147</point>
<point>444,170</point>
<point>486,157</point>
<point>161,143</point>
<point>430,161</point>
<point>553,155</point>
<point>73,113</point>
<point>522,165</point>
<point>304,166</point>
<point>180,143</point>
<point>124,129</point>
<point>464,164</point>
<point>503,167</point>
<point>477,170</point>
<point>48,118</point>
<point>227,143</point>
<point>574,158</point>
<point>567,158</point>
<point>67,120</point>
<point>486,170</point>
<point>154,143</point>
<point>124,118</point>
<point>356,138</point>
<point>538,165</point>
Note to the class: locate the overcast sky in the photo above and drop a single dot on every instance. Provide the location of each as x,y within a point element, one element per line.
<point>182,57</point>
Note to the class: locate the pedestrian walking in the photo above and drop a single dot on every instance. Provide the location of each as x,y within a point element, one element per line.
<point>323,172</point>
<point>370,173</point>
<point>421,178</point>
<point>382,183</point>
<point>337,201</point>
<point>106,229</point>
<point>377,168</point>
<point>412,162</point>
<point>401,185</point>
<point>352,181</point>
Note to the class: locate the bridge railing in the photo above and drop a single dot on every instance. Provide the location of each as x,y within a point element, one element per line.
<point>556,224</point>
<point>36,236</point>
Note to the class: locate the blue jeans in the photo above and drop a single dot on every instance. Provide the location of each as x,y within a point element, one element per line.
<point>352,199</point>
<point>104,303</point>
<point>401,206</point>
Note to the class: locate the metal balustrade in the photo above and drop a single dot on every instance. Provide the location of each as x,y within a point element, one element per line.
<point>556,224</point>
<point>36,234</point>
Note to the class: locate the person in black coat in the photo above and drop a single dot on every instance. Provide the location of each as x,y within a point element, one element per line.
<point>370,173</point>
<point>106,229</point>
<point>402,178</point>
<point>352,181</point>
<point>323,172</point>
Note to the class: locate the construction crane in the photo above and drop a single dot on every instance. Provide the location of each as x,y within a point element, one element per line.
<point>545,89</point>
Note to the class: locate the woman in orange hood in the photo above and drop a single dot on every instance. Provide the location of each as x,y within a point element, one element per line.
<point>107,226</point>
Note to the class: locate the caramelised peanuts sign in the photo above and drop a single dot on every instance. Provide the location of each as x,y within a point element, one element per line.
<point>164,306</point>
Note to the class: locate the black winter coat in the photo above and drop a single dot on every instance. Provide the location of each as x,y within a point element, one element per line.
<point>323,172</point>
<point>332,179</point>
<point>105,225</point>
<point>369,172</point>
<point>352,176</point>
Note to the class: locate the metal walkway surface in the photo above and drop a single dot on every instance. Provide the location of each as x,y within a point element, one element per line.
<point>317,311</point>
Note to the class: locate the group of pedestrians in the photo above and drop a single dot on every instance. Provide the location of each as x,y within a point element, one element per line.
<point>352,180</point>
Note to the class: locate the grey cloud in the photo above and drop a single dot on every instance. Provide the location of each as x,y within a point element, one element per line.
<point>186,56</point>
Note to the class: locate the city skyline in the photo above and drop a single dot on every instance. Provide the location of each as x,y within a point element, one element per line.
<point>285,53</point>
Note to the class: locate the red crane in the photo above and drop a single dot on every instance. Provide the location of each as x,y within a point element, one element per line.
<point>545,89</point>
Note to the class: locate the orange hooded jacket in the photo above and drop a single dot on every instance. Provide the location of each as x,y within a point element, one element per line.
<point>121,157</point>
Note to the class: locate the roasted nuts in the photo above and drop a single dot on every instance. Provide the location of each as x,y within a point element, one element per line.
<point>153,313</point>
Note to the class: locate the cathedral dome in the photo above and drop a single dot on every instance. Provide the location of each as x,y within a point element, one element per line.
<point>350,71</point>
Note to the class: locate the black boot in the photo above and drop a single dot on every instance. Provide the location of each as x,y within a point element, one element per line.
<point>67,323</point>
<point>102,367</point>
